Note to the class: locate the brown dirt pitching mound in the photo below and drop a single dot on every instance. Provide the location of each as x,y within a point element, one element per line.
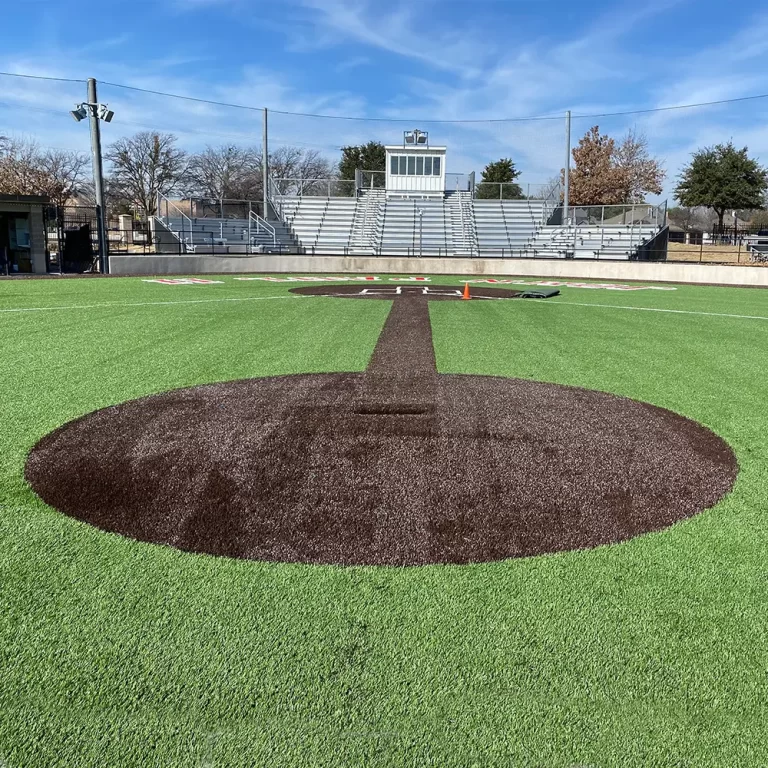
<point>327,469</point>
<point>394,466</point>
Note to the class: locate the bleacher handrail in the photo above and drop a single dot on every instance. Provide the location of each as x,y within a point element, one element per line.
<point>168,202</point>
<point>261,224</point>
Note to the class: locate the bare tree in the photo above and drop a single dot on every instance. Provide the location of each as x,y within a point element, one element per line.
<point>64,174</point>
<point>642,174</point>
<point>25,169</point>
<point>294,169</point>
<point>144,166</point>
<point>235,173</point>
<point>225,172</point>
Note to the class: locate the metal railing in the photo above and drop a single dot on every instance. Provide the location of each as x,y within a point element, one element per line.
<point>552,199</point>
<point>257,225</point>
<point>618,215</point>
<point>274,199</point>
<point>373,179</point>
<point>493,190</point>
<point>312,188</point>
<point>219,208</point>
<point>164,202</point>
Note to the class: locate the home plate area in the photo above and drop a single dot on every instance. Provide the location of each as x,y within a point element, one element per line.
<point>395,466</point>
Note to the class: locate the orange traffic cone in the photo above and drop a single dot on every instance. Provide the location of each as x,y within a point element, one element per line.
<point>466,291</point>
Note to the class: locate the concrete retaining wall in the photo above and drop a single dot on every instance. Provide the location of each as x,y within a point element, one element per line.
<point>661,272</point>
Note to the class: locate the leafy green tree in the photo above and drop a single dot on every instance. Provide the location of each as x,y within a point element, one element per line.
<point>722,178</point>
<point>366,157</point>
<point>502,172</point>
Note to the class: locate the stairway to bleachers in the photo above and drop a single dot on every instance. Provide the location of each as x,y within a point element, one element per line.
<point>365,236</point>
<point>463,232</point>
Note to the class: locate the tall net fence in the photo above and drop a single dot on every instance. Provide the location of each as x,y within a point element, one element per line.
<point>212,155</point>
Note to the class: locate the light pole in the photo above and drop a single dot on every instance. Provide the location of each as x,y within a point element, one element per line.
<point>265,164</point>
<point>567,169</point>
<point>97,112</point>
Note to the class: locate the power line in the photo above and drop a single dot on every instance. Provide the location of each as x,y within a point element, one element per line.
<point>677,106</point>
<point>191,131</point>
<point>410,120</point>
<point>185,98</point>
<point>42,77</point>
<point>537,118</point>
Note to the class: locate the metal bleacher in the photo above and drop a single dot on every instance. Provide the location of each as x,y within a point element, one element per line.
<point>176,231</point>
<point>615,242</point>
<point>455,225</point>
<point>507,227</point>
<point>320,224</point>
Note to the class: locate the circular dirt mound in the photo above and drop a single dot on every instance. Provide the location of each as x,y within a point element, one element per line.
<point>384,291</point>
<point>307,469</point>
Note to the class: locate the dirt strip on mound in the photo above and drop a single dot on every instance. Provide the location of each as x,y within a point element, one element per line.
<point>396,466</point>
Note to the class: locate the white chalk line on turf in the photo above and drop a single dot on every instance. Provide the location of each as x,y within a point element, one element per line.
<point>657,309</point>
<point>148,303</point>
<point>265,298</point>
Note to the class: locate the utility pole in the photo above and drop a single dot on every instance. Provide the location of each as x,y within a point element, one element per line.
<point>98,177</point>
<point>265,165</point>
<point>567,172</point>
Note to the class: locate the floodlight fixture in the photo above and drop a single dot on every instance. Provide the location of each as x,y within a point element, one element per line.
<point>415,137</point>
<point>88,109</point>
<point>79,113</point>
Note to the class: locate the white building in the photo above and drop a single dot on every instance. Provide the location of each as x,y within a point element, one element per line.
<point>415,169</point>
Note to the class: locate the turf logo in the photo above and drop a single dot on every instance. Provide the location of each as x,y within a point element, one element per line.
<point>183,281</point>
<point>334,278</point>
<point>556,283</point>
<point>398,290</point>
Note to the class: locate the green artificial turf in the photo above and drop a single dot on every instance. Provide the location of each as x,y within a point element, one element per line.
<point>118,653</point>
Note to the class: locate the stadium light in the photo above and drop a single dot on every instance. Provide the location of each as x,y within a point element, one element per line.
<point>88,109</point>
<point>415,137</point>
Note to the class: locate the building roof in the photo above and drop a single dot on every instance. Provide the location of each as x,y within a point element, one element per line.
<point>41,199</point>
<point>421,147</point>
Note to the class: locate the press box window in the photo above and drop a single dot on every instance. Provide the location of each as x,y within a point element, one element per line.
<point>427,166</point>
<point>411,165</point>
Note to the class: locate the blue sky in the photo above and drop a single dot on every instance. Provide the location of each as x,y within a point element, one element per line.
<point>410,61</point>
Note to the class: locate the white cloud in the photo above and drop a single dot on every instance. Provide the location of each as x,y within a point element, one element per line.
<point>452,73</point>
